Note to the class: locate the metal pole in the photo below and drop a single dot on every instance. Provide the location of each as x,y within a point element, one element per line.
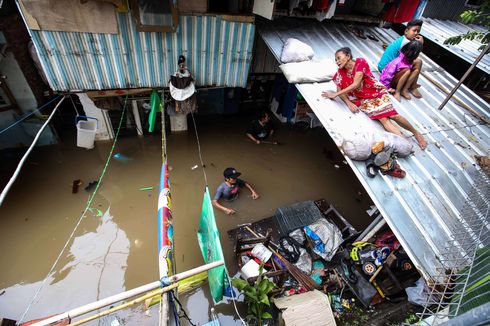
<point>26,155</point>
<point>125,295</point>
<point>466,74</point>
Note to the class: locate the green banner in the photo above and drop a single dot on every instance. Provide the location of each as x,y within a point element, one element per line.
<point>208,237</point>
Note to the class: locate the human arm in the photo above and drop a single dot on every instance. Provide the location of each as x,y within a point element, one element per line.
<point>252,138</point>
<point>355,84</point>
<point>255,195</point>
<point>225,210</point>
<point>352,107</point>
<point>419,38</point>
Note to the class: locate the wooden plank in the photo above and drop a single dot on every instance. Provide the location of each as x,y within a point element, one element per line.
<point>118,92</point>
<point>70,16</point>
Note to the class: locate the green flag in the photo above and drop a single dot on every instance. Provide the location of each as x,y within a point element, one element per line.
<point>156,106</point>
<point>208,237</point>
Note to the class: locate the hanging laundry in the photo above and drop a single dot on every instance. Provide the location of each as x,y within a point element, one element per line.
<point>182,89</point>
<point>401,11</point>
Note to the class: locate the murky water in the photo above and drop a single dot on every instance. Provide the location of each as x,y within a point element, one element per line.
<point>115,247</point>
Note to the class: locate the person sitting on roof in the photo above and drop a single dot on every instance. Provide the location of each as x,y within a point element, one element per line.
<point>260,129</point>
<point>230,189</point>
<point>400,74</point>
<point>412,33</point>
<point>359,90</point>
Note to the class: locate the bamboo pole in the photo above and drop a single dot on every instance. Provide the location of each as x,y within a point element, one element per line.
<point>150,294</point>
<point>455,98</point>
<point>466,74</point>
<point>126,295</point>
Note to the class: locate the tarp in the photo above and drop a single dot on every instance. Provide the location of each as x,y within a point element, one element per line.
<point>208,237</point>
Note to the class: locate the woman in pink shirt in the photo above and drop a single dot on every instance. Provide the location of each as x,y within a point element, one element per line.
<point>399,75</point>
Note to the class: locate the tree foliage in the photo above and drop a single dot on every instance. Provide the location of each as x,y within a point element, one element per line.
<point>480,16</point>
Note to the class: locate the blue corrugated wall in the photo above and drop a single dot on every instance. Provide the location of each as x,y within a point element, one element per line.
<point>218,53</point>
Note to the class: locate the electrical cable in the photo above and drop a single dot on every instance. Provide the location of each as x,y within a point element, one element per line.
<point>28,115</point>
<point>74,106</point>
<point>21,162</point>
<point>91,198</point>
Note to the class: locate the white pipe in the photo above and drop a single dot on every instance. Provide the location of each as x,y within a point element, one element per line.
<point>125,295</point>
<point>24,158</point>
<point>136,115</point>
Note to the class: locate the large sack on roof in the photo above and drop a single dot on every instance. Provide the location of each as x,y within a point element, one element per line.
<point>357,146</point>
<point>296,51</point>
<point>309,71</point>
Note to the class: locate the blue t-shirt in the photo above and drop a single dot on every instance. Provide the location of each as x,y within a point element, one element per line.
<point>229,192</point>
<point>392,51</point>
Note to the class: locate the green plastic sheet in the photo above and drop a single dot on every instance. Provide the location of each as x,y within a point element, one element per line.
<point>156,106</point>
<point>209,241</point>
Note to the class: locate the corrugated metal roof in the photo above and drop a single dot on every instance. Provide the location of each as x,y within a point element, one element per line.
<point>423,210</point>
<point>218,53</point>
<point>440,9</point>
<point>439,30</point>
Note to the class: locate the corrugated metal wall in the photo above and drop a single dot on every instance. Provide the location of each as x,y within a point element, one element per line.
<point>444,9</point>
<point>218,53</point>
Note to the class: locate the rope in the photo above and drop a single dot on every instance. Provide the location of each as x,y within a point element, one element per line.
<point>164,136</point>
<point>24,158</point>
<point>28,115</point>
<point>81,217</point>
<point>206,181</point>
<point>199,149</point>
<point>184,313</point>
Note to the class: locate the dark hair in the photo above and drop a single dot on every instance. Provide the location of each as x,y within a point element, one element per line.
<point>345,50</point>
<point>181,59</point>
<point>263,114</point>
<point>411,50</point>
<point>415,22</point>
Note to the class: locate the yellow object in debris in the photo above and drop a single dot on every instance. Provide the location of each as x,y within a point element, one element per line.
<point>378,147</point>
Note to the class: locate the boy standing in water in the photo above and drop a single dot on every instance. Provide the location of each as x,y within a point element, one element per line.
<point>230,189</point>
<point>412,32</point>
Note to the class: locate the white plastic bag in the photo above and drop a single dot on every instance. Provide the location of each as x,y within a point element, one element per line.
<point>309,71</point>
<point>296,51</point>
<point>357,146</point>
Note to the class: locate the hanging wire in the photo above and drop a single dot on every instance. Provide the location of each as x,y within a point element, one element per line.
<point>164,136</point>
<point>206,181</point>
<point>28,115</point>
<point>81,217</point>
<point>199,149</point>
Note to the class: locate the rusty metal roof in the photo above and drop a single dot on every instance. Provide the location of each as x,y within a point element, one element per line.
<point>438,31</point>
<point>424,209</point>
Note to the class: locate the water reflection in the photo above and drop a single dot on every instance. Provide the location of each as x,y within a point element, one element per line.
<point>96,267</point>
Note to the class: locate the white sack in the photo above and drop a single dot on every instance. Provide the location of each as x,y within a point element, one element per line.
<point>357,146</point>
<point>296,51</point>
<point>309,71</point>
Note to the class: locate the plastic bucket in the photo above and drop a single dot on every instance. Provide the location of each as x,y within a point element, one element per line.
<point>178,122</point>
<point>250,269</point>
<point>86,130</point>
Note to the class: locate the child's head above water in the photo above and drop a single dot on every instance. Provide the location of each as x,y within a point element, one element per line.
<point>413,29</point>
<point>411,50</point>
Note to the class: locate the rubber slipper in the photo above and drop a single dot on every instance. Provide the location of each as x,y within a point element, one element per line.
<point>372,37</point>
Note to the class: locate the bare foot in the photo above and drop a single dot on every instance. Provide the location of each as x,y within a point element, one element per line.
<point>415,92</point>
<point>397,96</point>
<point>406,95</point>
<point>421,140</point>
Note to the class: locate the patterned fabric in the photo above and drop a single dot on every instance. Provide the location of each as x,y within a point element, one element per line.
<point>371,97</point>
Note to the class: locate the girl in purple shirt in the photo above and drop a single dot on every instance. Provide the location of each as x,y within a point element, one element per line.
<point>399,75</point>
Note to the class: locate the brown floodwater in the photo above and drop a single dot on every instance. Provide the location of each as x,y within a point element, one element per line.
<point>115,246</point>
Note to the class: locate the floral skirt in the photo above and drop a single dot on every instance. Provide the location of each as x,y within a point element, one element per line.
<point>378,108</point>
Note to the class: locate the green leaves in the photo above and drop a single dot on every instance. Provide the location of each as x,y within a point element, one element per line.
<point>256,295</point>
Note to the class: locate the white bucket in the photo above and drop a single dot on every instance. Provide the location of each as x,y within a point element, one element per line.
<point>86,130</point>
<point>178,122</point>
<point>250,269</point>
<point>261,252</point>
